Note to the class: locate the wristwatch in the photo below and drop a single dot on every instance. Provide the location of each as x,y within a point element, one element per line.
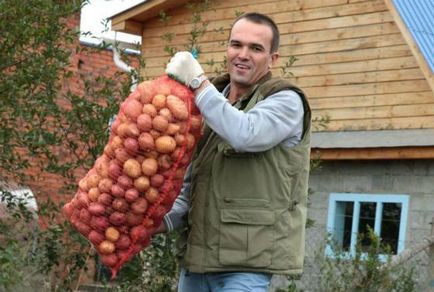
<point>197,82</point>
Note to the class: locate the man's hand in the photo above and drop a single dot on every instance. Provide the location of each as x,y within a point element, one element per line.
<point>183,67</point>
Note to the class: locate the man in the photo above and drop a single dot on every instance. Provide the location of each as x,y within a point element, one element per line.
<point>244,197</point>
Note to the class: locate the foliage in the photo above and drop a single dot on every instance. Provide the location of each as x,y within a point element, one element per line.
<point>154,268</point>
<point>367,270</point>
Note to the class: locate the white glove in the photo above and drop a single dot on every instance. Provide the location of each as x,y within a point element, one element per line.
<point>183,67</point>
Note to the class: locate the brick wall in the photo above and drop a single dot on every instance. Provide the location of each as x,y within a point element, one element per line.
<point>89,62</point>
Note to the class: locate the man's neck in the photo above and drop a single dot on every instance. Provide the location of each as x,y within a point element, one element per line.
<point>235,93</point>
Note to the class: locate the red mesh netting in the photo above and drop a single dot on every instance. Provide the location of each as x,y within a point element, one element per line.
<point>136,180</point>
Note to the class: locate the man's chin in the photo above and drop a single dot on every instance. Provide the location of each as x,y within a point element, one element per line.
<point>241,80</point>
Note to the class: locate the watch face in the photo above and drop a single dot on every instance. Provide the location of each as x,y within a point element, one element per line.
<point>195,83</point>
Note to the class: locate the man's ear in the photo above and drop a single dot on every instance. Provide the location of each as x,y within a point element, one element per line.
<point>274,57</point>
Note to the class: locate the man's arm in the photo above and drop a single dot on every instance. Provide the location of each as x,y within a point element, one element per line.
<point>277,119</point>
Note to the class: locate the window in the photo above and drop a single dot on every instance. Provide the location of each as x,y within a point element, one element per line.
<point>350,216</point>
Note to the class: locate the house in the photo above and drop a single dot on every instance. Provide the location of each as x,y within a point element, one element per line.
<point>367,68</point>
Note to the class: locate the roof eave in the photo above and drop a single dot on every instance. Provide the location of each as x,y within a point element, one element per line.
<point>132,20</point>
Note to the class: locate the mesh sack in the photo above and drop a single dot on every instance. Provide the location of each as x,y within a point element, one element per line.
<point>134,183</point>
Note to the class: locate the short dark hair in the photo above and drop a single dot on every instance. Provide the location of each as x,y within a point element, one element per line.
<point>263,19</point>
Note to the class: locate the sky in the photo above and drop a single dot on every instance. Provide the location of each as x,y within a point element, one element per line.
<point>93,19</point>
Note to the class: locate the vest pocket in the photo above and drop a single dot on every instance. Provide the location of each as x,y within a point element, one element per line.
<point>246,237</point>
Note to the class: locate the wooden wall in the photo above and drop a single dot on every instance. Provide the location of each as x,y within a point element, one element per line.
<point>353,62</point>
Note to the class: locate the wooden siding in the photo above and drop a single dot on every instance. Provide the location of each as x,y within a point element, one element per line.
<point>353,61</point>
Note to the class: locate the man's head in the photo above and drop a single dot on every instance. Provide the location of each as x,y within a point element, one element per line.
<point>252,48</point>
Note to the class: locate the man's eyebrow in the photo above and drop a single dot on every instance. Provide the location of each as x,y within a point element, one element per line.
<point>249,44</point>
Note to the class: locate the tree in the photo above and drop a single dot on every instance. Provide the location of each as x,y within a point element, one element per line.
<point>51,130</point>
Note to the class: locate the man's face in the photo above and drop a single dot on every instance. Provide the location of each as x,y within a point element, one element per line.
<point>249,52</point>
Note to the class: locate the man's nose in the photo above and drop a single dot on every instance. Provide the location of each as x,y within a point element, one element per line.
<point>243,53</point>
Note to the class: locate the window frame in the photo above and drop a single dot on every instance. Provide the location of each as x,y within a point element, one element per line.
<point>357,199</point>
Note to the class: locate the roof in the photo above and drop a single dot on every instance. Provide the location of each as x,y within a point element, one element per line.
<point>131,20</point>
<point>419,18</point>
<point>416,22</point>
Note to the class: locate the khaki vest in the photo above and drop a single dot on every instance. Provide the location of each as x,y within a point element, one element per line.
<point>248,210</point>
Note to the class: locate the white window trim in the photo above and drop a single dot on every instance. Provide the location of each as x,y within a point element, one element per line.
<point>25,194</point>
<point>358,198</point>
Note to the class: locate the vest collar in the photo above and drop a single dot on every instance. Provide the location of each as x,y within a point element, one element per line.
<point>220,82</point>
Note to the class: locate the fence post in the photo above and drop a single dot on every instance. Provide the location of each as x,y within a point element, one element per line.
<point>431,260</point>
